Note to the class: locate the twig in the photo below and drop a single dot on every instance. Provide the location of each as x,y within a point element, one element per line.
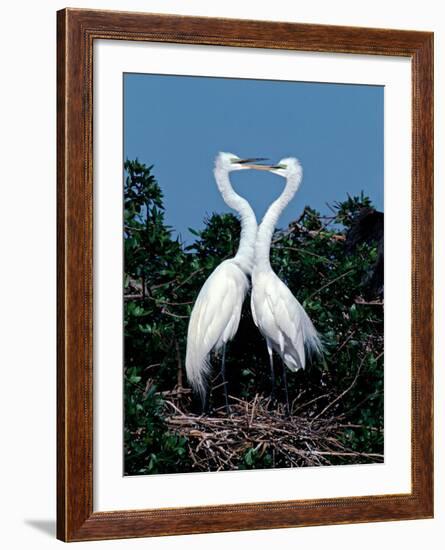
<point>331,453</point>
<point>179,364</point>
<point>152,366</point>
<point>330,283</point>
<point>362,302</point>
<point>303,251</point>
<point>158,301</point>
<point>174,407</point>
<point>343,393</point>
<point>187,279</point>
<point>166,312</point>
<point>304,405</point>
<point>343,344</point>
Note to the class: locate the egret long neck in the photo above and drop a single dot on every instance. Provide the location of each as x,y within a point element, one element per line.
<point>246,249</point>
<point>267,226</point>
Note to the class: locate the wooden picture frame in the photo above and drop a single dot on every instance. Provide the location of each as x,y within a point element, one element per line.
<point>77,31</point>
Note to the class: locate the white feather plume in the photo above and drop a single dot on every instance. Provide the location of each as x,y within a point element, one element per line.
<point>214,320</point>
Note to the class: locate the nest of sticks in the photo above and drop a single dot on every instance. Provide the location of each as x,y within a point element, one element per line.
<point>222,441</point>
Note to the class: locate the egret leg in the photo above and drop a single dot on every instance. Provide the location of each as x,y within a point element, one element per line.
<point>206,402</point>
<point>272,374</point>
<point>223,375</point>
<point>285,389</point>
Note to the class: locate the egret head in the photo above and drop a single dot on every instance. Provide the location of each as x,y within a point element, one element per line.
<point>287,167</point>
<point>231,162</point>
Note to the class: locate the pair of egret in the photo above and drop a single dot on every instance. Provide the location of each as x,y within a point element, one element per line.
<point>278,315</point>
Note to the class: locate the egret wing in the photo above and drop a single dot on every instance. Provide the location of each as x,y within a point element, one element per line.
<point>217,310</point>
<point>214,319</point>
<point>284,308</point>
<point>287,314</point>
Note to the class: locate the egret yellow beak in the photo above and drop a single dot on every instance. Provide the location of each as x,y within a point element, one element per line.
<point>259,167</point>
<point>251,163</point>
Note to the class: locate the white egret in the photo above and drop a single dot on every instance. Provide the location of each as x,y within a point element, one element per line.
<point>278,315</point>
<point>216,313</point>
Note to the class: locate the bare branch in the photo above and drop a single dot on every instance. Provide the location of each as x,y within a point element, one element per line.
<point>343,393</point>
<point>330,283</point>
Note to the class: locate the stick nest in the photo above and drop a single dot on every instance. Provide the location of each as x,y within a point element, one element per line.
<point>257,430</point>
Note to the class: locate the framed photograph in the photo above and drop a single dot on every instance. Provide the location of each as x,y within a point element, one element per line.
<point>245,230</point>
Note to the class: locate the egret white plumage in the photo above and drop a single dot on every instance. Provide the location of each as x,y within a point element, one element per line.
<point>216,313</point>
<point>278,315</point>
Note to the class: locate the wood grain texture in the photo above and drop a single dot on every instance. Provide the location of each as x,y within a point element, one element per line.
<point>76,32</point>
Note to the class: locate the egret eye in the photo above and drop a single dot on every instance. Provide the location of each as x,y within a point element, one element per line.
<point>234,160</point>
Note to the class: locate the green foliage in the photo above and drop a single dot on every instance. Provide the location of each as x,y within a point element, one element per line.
<point>254,459</point>
<point>149,446</point>
<point>162,280</point>
<point>345,211</point>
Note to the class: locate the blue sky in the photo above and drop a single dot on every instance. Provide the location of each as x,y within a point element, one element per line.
<point>179,123</point>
